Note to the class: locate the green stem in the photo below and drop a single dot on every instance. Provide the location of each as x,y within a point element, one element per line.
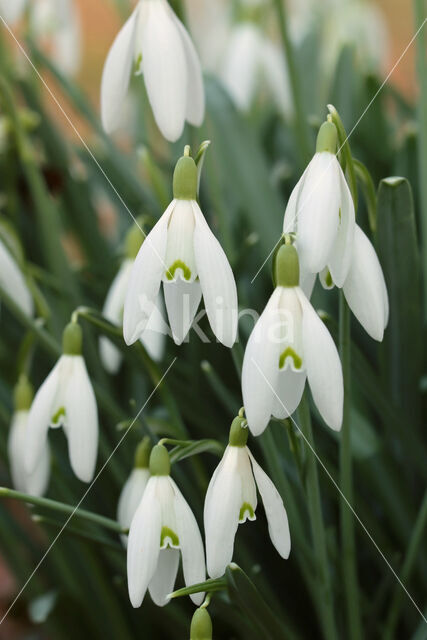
<point>301,128</point>
<point>348,558</point>
<point>326,609</point>
<point>408,564</point>
<point>63,508</point>
<point>421,63</point>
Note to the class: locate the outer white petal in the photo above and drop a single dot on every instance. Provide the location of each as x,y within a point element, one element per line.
<point>365,289</point>
<point>221,514</point>
<point>317,214</point>
<point>242,60</point>
<point>191,545</point>
<point>11,10</point>
<point>13,282</point>
<point>182,301</point>
<point>323,366</point>
<point>36,482</point>
<point>154,336</point>
<point>275,511</point>
<point>165,69</point>
<point>145,279</point>
<point>342,252</point>
<point>81,416</point>
<point>163,581</point>
<point>144,544</point>
<point>195,111</point>
<point>39,418</point>
<point>261,362</point>
<point>290,218</point>
<point>289,389</point>
<point>217,281</point>
<point>116,74</point>
<point>131,496</point>
<point>113,311</point>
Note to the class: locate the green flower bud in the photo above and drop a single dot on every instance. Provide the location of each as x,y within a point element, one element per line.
<point>201,625</point>
<point>72,339</point>
<point>23,394</point>
<point>133,242</point>
<point>327,138</point>
<point>238,434</point>
<point>142,454</point>
<point>185,178</point>
<point>287,266</point>
<point>160,464</point>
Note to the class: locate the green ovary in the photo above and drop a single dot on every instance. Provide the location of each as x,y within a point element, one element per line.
<point>170,536</point>
<point>290,353</point>
<point>246,508</point>
<point>56,419</point>
<point>178,264</point>
<point>328,280</point>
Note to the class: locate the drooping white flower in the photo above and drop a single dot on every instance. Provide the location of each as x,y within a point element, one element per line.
<point>13,282</point>
<point>66,399</point>
<point>157,43</point>
<point>134,487</point>
<point>231,499</point>
<point>182,252</point>
<point>34,483</point>
<point>288,344</point>
<point>163,526</point>
<point>321,212</point>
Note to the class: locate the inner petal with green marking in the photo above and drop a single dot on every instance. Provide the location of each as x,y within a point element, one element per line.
<point>294,358</point>
<point>58,418</point>
<point>246,512</point>
<point>178,264</point>
<point>168,538</point>
<point>179,259</point>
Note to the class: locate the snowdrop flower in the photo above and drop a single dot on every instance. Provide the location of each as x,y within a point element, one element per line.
<point>157,44</point>
<point>231,499</point>
<point>12,10</point>
<point>34,483</point>
<point>288,344</point>
<point>321,212</point>
<point>153,338</point>
<point>66,399</point>
<point>182,252</point>
<point>134,486</point>
<point>13,282</point>
<point>162,526</point>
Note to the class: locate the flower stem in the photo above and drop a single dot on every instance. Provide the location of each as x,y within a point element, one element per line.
<point>326,609</point>
<point>300,119</point>
<point>63,508</point>
<point>348,557</point>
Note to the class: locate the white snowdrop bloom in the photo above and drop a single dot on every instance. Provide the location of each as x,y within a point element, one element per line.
<point>231,499</point>
<point>365,288</point>
<point>156,43</point>
<point>321,212</point>
<point>162,527</point>
<point>288,344</point>
<point>12,10</point>
<point>182,252</point>
<point>134,487</point>
<point>34,483</point>
<point>13,281</point>
<point>66,399</point>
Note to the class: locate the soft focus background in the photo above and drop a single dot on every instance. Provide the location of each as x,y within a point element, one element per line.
<point>72,225</point>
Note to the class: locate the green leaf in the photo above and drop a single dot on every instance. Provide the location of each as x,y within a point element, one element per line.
<point>401,350</point>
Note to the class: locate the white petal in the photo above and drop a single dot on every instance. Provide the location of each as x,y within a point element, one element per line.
<point>113,310</point>
<point>165,69</point>
<point>365,288</point>
<point>289,389</point>
<point>241,64</point>
<point>261,363</point>
<point>317,214</point>
<point>16,450</point>
<point>221,514</point>
<point>323,366</point>
<point>38,481</point>
<point>39,418</point>
<point>195,111</point>
<point>11,10</point>
<point>116,74</point>
<point>182,301</point>
<point>145,279</point>
<point>154,336</point>
<point>131,496</point>
<point>217,281</point>
<point>163,581</point>
<point>248,484</point>
<point>81,416</point>
<point>290,218</point>
<point>144,544</point>
<point>275,511</point>
<point>180,246</point>
<point>13,282</point>
<point>340,259</point>
<point>191,545</point>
